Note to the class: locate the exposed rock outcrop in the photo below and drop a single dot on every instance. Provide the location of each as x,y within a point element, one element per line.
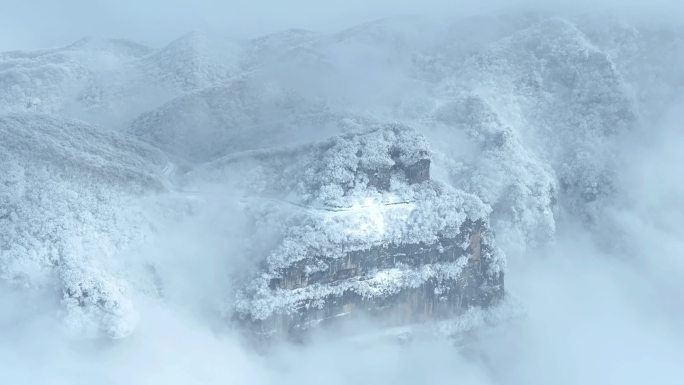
<point>388,242</point>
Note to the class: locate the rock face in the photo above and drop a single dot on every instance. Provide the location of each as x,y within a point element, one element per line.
<point>410,250</point>
<point>431,281</point>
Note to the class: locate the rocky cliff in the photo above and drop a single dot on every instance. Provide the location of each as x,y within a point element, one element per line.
<point>377,237</point>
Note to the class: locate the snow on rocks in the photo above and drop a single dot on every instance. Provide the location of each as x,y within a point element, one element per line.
<point>354,194</point>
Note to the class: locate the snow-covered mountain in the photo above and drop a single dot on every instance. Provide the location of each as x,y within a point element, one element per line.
<point>242,115</point>
<point>363,228</point>
<point>402,138</point>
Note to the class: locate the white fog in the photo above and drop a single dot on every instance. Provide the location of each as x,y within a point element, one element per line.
<point>205,192</point>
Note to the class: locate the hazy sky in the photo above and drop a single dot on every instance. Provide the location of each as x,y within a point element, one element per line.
<point>38,23</point>
<point>26,24</point>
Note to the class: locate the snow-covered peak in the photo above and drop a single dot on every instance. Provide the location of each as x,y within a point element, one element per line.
<point>121,47</point>
<point>196,60</point>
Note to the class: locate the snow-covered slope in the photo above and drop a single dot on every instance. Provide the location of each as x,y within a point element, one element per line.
<point>70,204</point>
<point>111,81</point>
<point>195,61</point>
<point>647,56</point>
<point>49,80</point>
<point>242,115</point>
<point>498,167</point>
<point>539,112</point>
